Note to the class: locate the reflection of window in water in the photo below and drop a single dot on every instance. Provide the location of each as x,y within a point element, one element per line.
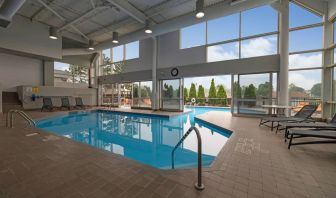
<point>117,149</point>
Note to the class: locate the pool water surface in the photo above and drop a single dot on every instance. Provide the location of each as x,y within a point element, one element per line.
<point>148,139</point>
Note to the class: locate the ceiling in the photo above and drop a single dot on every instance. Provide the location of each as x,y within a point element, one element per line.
<point>97,19</point>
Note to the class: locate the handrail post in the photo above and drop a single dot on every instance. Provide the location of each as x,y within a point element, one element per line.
<point>199,185</point>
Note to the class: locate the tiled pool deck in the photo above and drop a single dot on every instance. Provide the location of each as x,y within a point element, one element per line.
<point>254,163</point>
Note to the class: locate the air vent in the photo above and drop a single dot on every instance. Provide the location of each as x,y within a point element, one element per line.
<point>8,8</point>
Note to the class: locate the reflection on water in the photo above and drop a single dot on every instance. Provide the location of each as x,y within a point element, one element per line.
<point>147,139</point>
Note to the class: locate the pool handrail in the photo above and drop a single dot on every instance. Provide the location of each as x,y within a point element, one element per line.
<point>10,118</point>
<point>198,185</point>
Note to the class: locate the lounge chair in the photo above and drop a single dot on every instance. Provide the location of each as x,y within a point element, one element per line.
<point>328,136</point>
<point>47,104</point>
<point>318,125</point>
<point>79,103</point>
<point>65,103</point>
<point>304,115</point>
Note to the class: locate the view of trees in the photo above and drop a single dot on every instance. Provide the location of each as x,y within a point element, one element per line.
<point>216,95</point>
<point>78,74</point>
<point>109,68</point>
<point>297,92</point>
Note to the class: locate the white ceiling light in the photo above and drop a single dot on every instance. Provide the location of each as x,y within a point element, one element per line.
<point>148,29</point>
<point>115,37</point>
<point>90,47</point>
<point>53,33</point>
<point>200,9</point>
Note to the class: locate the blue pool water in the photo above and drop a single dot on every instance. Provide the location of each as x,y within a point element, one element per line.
<point>148,139</point>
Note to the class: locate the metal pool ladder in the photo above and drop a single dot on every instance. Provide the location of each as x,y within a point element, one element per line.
<point>10,118</point>
<point>198,185</point>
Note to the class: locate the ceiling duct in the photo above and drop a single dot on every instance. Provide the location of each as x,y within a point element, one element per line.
<point>8,8</point>
<point>235,2</point>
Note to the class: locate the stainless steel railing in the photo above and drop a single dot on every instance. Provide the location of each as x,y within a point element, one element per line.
<point>10,118</point>
<point>199,185</point>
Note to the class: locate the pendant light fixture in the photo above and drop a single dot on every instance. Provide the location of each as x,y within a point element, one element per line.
<point>200,9</point>
<point>53,33</point>
<point>148,29</point>
<point>115,37</point>
<point>90,47</point>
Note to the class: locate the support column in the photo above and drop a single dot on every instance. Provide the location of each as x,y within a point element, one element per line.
<point>327,72</point>
<point>283,97</point>
<point>48,73</point>
<point>155,87</point>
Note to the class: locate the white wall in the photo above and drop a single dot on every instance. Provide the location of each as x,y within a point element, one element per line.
<point>19,70</point>
<point>29,37</point>
<point>89,95</point>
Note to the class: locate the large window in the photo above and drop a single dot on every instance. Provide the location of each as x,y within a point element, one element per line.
<point>305,57</point>
<point>250,33</point>
<point>218,31</point>
<point>193,36</point>
<point>116,55</point>
<point>259,20</point>
<point>67,75</point>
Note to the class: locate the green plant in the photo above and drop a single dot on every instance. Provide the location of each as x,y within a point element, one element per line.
<point>221,94</point>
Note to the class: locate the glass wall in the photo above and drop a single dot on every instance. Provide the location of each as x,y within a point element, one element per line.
<point>251,91</point>
<point>142,93</point>
<point>250,33</point>
<point>305,57</point>
<point>112,58</point>
<point>171,95</point>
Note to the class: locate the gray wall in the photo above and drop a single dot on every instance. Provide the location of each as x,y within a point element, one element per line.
<point>332,8</point>
<point>19,70</point>
<point>30,37</point>
<point>171,55</point>
<point>144,62</point>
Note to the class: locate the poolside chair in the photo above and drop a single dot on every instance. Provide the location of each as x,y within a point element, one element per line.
<point>47,104</point>
<point>65,103</point>
<point>318,125</point>
<point>79,103</point>
<point>328,136</point>
<point>304,115</point>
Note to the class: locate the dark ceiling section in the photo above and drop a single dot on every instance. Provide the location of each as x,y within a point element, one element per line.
<point>69,43</point>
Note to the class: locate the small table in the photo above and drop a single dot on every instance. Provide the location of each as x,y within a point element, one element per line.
<point>277,109</point>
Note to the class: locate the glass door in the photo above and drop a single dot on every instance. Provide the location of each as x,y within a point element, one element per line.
<point>110,95</point>
<point>251,91</point>
<point>171,95</point>
<point>125,95</point>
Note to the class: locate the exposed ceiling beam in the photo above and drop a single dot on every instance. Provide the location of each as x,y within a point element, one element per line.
<point>211,12</point>
<point>34,16</point>
<point>62,18</point>
<point>150,12</point>
<point>87,14</point>
<point>129,9</point>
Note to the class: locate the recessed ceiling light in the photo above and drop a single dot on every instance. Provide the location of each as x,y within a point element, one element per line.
<point>53,33</point>
<point>200,9</point>
<point>115,37</point>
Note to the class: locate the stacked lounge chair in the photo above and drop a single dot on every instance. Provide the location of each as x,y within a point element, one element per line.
<point>65,103</point>
<point>318,125</point>
<point>327,136</point>
<point>79,103</point>
<point>47,104</point>
<point>303,115</point>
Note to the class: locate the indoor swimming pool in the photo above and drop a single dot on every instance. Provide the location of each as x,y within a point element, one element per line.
<point>148,139</point>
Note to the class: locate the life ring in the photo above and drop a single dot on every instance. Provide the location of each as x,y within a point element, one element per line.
<point>174,72</point>
<point>193,100</point>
